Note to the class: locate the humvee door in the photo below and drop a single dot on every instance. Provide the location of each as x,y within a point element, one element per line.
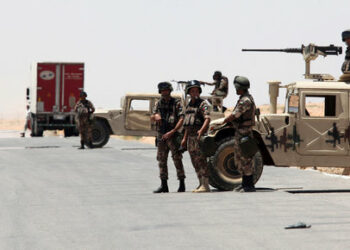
<point>323,121</point>
<point>138,112</point>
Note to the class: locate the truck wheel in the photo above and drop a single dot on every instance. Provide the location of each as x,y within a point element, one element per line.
<point>100,134</point>
<point>222,168</point>
<point>36,130</point>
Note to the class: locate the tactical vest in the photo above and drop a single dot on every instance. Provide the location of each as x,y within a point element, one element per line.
<point>193,117</point>
<point>83,109</point>
<point>346,65</point>
<point>247,119</point>
<point>168,115</point>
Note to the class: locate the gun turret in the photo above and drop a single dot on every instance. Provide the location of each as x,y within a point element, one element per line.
<point>309,52</point>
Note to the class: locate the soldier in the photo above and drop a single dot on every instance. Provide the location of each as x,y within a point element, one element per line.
<point>168,115</point>
<point>84,109</point>
<point>243,118</point>
<point>28,117</point>
<point>196,123</point>
<point>220,91</point>
<point>346,65</point>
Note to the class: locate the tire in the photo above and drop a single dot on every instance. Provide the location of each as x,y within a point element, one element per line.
<point>223,171</point>
<point>36,130</point>
<point>100,134</point>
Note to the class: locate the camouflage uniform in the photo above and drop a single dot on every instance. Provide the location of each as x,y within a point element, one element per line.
<point>84,109</point>
<point>170,112</point>
<point>220,91</point>
<point>346,65</point>
<point>195,115</point>
<point>244,114</point>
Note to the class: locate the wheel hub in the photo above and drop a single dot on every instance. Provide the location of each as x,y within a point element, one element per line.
<point>230,166</point>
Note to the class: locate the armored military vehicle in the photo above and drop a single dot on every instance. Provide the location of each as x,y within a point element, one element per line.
<point>298,137</point>
<point>133,119</point>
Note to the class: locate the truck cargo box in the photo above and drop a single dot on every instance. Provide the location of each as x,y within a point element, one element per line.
<point>53,94</point>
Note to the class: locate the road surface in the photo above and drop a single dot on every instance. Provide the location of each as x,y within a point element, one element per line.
<point>54,196</point>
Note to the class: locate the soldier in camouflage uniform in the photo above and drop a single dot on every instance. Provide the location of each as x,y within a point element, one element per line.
<point>168,115</point>
<point>346,65</point>
<point>196,124</point>
<point>243,118</point>
<point>220,91</point>
<point>84,108</point>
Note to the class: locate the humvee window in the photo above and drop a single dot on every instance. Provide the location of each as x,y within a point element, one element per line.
<point>139,105</point>
<point>320,106</point>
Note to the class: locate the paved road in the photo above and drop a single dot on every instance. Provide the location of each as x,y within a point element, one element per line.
<point>54,196</point>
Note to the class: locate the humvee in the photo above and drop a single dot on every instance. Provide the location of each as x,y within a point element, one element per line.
<point>300,136</point>
<point>133,119</point>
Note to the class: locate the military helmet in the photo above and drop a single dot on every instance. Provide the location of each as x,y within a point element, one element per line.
<point>164,86</point>
<point>83,94</point>
<point>193,84</point>
<point>345,35</point>
<point>241,82</point>
<point>217,74</point>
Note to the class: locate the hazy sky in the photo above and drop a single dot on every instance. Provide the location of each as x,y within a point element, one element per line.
<point>131,45</point>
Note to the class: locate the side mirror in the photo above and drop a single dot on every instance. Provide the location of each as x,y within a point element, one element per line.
<point>293,104</point>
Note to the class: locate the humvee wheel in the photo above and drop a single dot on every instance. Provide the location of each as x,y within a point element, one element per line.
<point>223,171</point>
<point>100,134</point>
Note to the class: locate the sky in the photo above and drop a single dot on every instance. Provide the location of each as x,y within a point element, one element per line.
<point>132,45</point>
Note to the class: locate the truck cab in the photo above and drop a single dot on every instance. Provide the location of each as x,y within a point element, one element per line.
<point>314,130</point>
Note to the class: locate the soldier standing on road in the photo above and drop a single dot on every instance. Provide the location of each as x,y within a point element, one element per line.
<point>220,91</point>
<point>84,109</point>
<point>243,118</point>
<point>346,65</point>
<point>28,117</point>
<point>168,114</point>
<point>196,124</point>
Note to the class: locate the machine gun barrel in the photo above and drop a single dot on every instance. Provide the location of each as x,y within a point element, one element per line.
<point>309,52</point>
<point>288,50</point>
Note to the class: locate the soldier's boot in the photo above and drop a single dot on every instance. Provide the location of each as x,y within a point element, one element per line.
<point>81,145</point>
<point>22,134</point>
<point>204,187</point>
<point>182,187</point>
<point>242,185</point>
<point>199,185</point>
<point>163,187</point>
<point>249,184</point>
<point>90,144</point>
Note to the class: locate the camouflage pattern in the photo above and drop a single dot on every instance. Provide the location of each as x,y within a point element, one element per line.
<point>200,111</point>
<point>244,120</point>
<point>171,112</point>
<point>198,159</point>
<point>162,156</point>
<point>346,65</point>
<point>221,87</point>
<point>84,108</point>
<point>220,91</point>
